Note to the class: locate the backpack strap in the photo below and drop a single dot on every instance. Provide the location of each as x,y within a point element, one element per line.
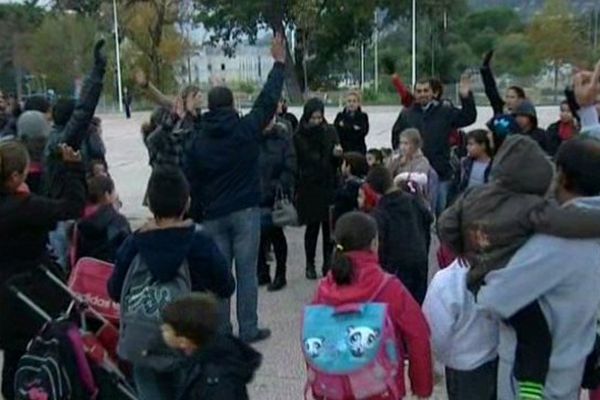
<point>386,279</point>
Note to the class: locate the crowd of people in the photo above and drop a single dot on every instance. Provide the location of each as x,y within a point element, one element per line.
<point>513,313</point>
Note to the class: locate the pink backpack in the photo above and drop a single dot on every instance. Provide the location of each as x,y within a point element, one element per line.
<point>351,351</point>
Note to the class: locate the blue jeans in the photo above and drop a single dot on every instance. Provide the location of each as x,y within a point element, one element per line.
<point>443,190</point>
<point>154,385</point>
<point>238,237</point>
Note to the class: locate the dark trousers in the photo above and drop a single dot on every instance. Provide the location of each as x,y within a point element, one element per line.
<point>9,368</point>
<point>415,281</point>
<point>534,344</point>
<point>477,384</point>
<point>275,236</point>
<point>310,243</point>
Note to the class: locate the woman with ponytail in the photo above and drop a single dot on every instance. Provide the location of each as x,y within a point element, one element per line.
<point>356,276</point>
<point>25,220</point>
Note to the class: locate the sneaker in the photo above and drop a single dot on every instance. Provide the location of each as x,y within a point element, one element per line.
<point>278,283</point>
<point>262,334</point>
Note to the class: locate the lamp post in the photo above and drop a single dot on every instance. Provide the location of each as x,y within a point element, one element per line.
<point>118,56</point>
<point>414,42</point>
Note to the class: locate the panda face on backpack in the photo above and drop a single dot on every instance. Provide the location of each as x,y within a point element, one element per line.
<point>361,339</point>
<point>313,346</point>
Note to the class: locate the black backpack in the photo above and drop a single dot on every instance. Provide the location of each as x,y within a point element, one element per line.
<point>49,368</point>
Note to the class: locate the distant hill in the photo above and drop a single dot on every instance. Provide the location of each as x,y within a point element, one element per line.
<point>529,7</point>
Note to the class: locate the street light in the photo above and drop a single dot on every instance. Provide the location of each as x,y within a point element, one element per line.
<point>118,56</point>
<point>414,42</point>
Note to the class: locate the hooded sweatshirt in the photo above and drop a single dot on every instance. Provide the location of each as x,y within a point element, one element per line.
<point>164,250</point>
<point>489,223</point>
<point>100,233</point>
<point>563,275</point>
<point>222,160</point>
<point>411,328</point>
<point>221,371</point>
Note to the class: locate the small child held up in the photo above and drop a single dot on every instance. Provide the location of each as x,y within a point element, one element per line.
<point>464,338</point>
<point>102,229</point>
<point>489,223</point>
<point>354,172</point>
<point>217,367</point>
<point>357,277</point>
<point>475,168</point>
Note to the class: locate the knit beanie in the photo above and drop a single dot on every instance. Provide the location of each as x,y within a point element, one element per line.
<point>32,124</point>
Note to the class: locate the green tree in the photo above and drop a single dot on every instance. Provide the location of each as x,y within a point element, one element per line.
<point>61,49</point>
<point>556,35</point>
<point>17,21</point>
<point>514,55</point>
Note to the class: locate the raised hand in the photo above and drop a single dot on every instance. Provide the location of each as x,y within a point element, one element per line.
<point>465,85</point>
<point>99,55</point>
<point>586,86</point>
<point>140,78</point>
<point>388,65</point>
<point>69,155</point>
<point>278,50</point>
<point>488,58</point>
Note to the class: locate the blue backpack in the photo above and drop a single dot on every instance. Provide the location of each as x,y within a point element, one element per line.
<point>351,351</point>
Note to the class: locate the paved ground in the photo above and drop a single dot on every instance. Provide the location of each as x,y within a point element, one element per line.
<point>282,374</point>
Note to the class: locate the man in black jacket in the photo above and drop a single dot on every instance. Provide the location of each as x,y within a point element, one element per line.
<point>436,121</point>
<point>222,166</point>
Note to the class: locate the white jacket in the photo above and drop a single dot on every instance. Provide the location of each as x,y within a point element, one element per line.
<point>464,336</point>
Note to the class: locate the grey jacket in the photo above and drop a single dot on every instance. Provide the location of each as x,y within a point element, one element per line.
<point>563,276</point>
<point>489,223</point>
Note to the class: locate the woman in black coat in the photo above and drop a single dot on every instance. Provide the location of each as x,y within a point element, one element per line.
<point>318,152</point>
<point>352,125</point>
<point>277,175</point>
<point>25,220</point>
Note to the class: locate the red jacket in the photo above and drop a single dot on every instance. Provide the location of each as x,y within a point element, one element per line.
<point>411,328</point>
<point>406,97</point>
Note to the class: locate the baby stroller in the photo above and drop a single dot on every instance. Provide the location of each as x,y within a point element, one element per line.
<point>73,356</point>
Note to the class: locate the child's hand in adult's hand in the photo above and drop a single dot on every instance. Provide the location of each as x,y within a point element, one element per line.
<point>69,155</point>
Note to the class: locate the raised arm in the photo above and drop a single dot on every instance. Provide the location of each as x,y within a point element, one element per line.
<point>586,86</point>
<point>265,106</point>
<point>467,114</point>
<point>489,83</point>
<point>152,92</point>
<point>406,97</point>
<point>77,126</point>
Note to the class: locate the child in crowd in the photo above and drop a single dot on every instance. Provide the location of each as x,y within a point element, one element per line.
<point>218,367</point>
<point>566,128</point>
<point>475,168</point>
<point>25,220</point>
<point>411,170</point>
<point>374,157</point>
<point>367,198</point>
<point>404,233</point>
<point>33,130</point>
<point>354,172</point>
<point>164,244</point>
<point>464,338</point>
<point>356,276</point>
<point>102,229</point>
<point>388,155</point>
<point>491,222</point>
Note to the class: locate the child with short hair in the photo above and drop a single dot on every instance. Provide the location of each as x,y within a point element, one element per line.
<point>374,157</point>
<point>102,230</point>
<point>404,233</point>
<point>354,172</point>
<point>357,277</point>
<point>475,168</point>
<point>164,244</point>
<point>489,223</point>
<point>218,367</point>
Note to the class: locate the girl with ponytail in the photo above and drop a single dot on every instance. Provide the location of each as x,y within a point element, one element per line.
<point>357,277</point>
<point>25,220</point>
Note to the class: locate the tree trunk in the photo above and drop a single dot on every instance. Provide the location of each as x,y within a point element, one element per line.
<point>292,84</point>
